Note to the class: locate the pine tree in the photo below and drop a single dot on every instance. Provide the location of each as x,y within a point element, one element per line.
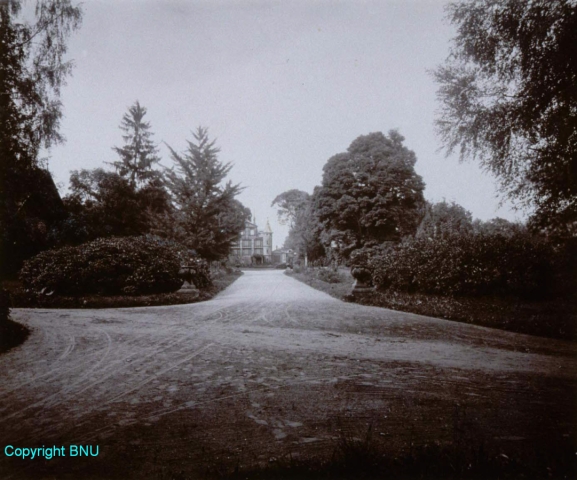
<point>206,216</point>
<point>139,153</point>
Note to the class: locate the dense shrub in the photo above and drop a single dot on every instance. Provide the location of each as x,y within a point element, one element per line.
<point>329,276</point>
<point>110,266</point>
<point>467,264</point>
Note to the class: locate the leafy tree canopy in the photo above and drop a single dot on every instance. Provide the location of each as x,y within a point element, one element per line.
<point>206,216</point>
<point>290,204</point>
<point>33,70</point>
<point>508,95</point>
<point>500,226</point>
<point>104,204</point>
<point>370,194</point>
<point>295,208</point>
<point>443,219</point>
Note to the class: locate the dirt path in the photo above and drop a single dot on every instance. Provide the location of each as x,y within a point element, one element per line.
<point>270,367</point>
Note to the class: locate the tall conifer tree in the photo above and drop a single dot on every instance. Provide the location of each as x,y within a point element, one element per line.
<point>139,154</point>
<point>206,216</point>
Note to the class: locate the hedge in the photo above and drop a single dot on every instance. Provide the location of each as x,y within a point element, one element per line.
<point>467,264</point>
<point>106,266</point>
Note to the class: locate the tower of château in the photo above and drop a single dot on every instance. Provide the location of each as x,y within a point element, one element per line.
<point>267,240</point>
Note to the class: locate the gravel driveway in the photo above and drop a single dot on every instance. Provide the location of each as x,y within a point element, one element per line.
<point>271,367</point>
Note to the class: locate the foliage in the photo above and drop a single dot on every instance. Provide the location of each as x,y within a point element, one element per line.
<point>499,226</point>
<point>105,204</point>
<point>206,216</point>
<point>554,318</point>
<point>508,98</point>
<point>122,203</point>
<point>31,227</point>
<point>467,264</point>
<point>290,204</point>
<point>32,72</point>
<point>306,235</point>
<point>23,299</point>
<point>295,208</point>
<point>369,194</point>
<point>329,275</point>
<point>108,266</point>
<point>139,153</point>
<point>564,265</point>
<point>442,219</point>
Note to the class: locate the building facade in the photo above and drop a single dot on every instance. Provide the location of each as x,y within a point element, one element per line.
<point>254,247</point>
<point>283,255</point>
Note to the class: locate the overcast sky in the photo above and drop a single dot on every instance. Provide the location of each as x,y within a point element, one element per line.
<point>282,86</point>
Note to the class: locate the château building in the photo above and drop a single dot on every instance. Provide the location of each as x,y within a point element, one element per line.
<point>254,246</point>
<point>283,255</point>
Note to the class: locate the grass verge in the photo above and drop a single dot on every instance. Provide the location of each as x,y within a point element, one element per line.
<point>22,299</point>
<point>552,319</point>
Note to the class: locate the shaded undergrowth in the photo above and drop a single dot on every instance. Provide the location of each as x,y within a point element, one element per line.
<point>552,319</point>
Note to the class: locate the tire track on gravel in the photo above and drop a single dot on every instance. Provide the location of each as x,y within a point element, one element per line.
<point>147,381</point>
<point>230,315</point>
<point>46,400</point>
<point>159,347</point>
<point>219,315</point>
<point>85,375</point>
<point>320,379</point>
<point>54,369</point>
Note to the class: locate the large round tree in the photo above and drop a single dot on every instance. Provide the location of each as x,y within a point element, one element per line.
<point>370,194</point>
